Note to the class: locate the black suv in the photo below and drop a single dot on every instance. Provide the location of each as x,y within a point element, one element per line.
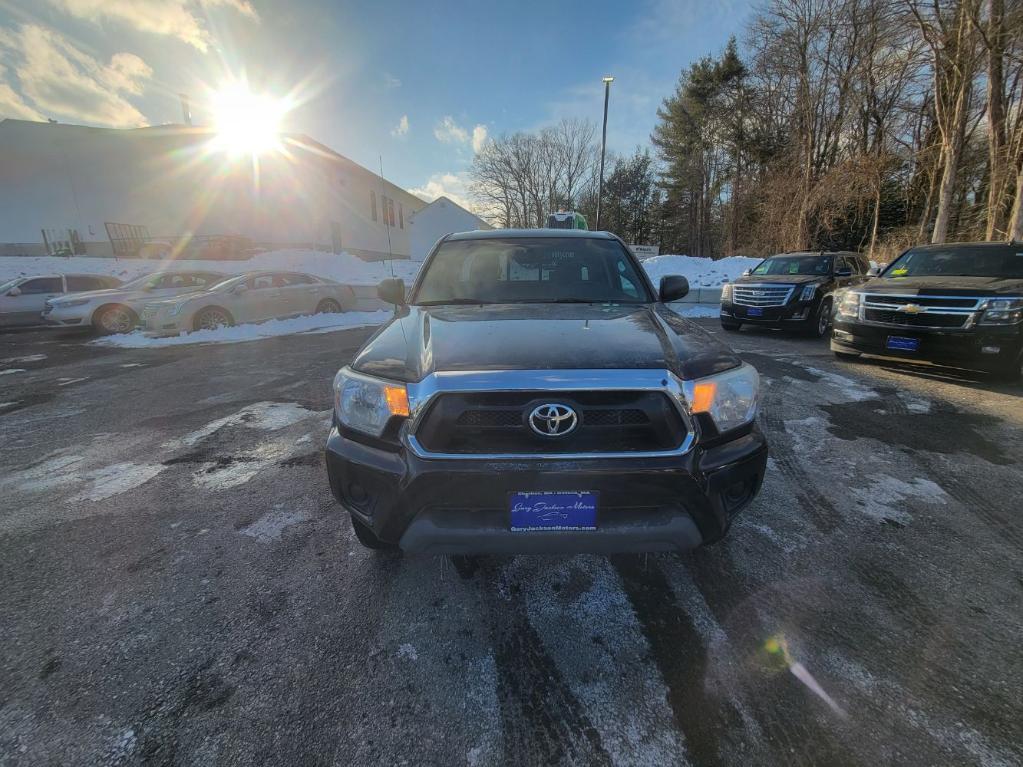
<point>535,393</point>
<point>959,304</point>
<point>791,291</point>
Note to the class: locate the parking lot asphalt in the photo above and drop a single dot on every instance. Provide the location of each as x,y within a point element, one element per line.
<point>178,586</point>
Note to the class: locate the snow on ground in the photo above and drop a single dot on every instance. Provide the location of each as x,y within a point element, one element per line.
<point>701,272</point>
<point>315,323</point>
<point>343,268</point>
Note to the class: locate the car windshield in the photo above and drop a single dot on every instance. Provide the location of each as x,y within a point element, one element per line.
<point>806,265</point>
<point>140,282</point>
<point>9,284</point>
<point>531,270</point>
<point>960,261</point>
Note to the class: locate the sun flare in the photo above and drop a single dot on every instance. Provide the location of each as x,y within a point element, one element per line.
<point>247,123</point>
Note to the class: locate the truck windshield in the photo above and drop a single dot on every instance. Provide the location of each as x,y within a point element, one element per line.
<point>960,261</point>
<point>809,265</point>
<point>531,270</point>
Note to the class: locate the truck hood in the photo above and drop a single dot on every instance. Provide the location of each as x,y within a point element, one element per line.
<point>423,340</point>
<point>946,286</point>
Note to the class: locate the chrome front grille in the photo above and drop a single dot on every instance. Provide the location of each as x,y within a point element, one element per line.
<point>910,311</point>
<point>762,295</point>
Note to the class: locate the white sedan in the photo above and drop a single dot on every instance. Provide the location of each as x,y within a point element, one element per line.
<point>22,299</point>
<point>118,310</point>
<point>252,297</point>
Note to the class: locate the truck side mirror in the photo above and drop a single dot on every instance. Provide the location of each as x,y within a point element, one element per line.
<point>747,272</point>
<point>392,291</point>
<point>843,271</point>
<point>673,287</point>
<point>874,271</point>
<point>14,292</point>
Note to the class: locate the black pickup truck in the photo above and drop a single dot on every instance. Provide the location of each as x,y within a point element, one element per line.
<point>959,304</point>
<point>535,393</point>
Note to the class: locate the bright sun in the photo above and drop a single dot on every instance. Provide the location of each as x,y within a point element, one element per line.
<point>246,122</point>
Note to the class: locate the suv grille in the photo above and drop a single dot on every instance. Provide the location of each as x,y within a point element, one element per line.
<point>761,295</point>
<point>927,311</point>
<point>497,422</point>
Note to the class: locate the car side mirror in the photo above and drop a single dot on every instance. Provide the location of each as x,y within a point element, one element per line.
<point>843,271</point>
<point>672,288</point>
<point>392,291</point>
<point>241,288</point>
<point>874,271</point>
<point>747,272</point>
<point>14,292</point>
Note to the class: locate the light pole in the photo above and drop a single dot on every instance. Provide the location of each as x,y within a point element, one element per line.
<point>608,79</point>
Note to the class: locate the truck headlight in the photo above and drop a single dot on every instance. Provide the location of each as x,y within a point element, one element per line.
<point>730,398</point>
<point>366,404</point>
<point>808,292</point>
<point>848,304</point>
<point>726,292</point>
<point>1003,311</point>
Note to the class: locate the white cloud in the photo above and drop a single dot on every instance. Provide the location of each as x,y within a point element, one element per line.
<point>182,19</point>
<point>479,137</point>
<point>60,80</point>
<point>450,132</point>
<point>12,104</point>
<point>401,128</point>
<point>454,186</point>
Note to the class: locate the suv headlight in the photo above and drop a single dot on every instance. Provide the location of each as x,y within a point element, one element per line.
<point>730,398</point>
<point>1002,311</point>
<point>366,404</point>
<point>808,292</point>
<point>848,304</point>
<point>726,292</point>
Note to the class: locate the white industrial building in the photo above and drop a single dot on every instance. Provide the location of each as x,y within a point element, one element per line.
<point>169,183</point>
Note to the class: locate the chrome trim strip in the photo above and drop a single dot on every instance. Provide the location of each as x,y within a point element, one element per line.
<point>421,394</point>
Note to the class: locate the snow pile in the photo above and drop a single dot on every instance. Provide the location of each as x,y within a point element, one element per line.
<point>343,268</point>
<point>314,323</point>
<point>701,272</point>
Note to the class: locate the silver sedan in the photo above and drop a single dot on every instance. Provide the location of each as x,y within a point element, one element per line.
<point>252,297</point>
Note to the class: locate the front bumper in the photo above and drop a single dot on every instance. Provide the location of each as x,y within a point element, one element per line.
<point>789,315</point>
<point>64,317</point>
<point>159,325</point>
<point>971,348</point>
<point>461,506</point>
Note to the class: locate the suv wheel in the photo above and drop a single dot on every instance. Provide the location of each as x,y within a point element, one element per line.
<point>368,538</point>
<point>817,326</point>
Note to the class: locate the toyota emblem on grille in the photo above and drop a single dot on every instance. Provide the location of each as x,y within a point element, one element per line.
<point>552,420</point>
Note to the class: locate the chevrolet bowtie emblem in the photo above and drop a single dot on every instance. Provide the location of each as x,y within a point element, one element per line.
<point>910,309</point>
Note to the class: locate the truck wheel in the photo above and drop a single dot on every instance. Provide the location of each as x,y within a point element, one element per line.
<point>115,318</point>
<point>817,326</point>
<point>731,326</point>
<point>369,539</point>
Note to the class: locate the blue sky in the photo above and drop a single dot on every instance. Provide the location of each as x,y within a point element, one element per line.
<point>414,82</point>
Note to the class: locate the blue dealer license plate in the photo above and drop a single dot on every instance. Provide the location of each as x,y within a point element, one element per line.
<point>553,511</point>
<point>754,312</point>
<point>903,344</point>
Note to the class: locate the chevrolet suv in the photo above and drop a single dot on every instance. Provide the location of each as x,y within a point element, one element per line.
<point>792,291</point>
<point>957,304</point>
<point>535,393</point>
